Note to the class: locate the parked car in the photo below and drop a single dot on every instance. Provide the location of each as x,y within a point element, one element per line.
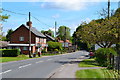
<point>91,54</point>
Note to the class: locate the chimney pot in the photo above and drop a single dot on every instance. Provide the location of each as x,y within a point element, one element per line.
<point>29,23</point>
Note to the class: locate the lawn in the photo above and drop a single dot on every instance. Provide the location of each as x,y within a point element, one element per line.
<point>88,63</point>
<point>96,73</point>
<point>20,57</point>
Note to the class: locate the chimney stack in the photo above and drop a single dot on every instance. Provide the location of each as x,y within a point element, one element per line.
<point>29,23</point>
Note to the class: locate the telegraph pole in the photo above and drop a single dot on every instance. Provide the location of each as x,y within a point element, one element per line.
<point>118,45</point>
<point>29,23</point>
<point>55,29</point>
<point>65,37</point>
<point>108,9</point>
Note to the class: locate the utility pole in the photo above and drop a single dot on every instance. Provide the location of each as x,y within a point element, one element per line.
<point>108,9</point>
<point>65,37</point>
<point>29,23</point>
<point>55,29</point>
<point>118,45</point>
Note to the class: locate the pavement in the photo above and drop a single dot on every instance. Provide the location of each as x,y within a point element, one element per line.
<point>45,67</point>
<point>68,70</point>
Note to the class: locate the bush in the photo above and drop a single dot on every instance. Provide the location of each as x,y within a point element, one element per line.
<point>102,55</point>
<point>54,45</point>
<point>43,50</point>
<point>9,52</point>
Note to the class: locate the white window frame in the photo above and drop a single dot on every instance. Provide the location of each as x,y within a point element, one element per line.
<point>21,38</point>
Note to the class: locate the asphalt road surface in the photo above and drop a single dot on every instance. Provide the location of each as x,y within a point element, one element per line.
<point>39,67</point>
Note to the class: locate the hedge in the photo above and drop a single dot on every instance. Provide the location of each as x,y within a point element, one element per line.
<point>102,55</point>
<point>9,52</point>
<point>52,46</point>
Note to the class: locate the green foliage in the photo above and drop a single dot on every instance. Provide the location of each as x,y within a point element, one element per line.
<point>49,32</point>
<point>3,17</point>
<point>77,39</point>
<point>9,52</point>
<point>56,50</point>
<point>103,32</point>
<point>44,50</point>
<point>61,33</point>
<point>9,32</point>
<point>54,45</point>
<point>102,55</point>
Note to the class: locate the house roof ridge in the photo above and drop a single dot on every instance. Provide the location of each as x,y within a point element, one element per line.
<point>35,31</point>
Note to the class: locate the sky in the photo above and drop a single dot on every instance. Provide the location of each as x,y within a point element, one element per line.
<point>70,13</point>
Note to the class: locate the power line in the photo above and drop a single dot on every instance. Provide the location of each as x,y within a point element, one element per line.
<point>13,12</point>
<point>26,14</point>
<point>40,21</point>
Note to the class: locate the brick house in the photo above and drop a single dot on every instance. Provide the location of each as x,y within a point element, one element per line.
<point>66,44</point>
<point>20,39</point>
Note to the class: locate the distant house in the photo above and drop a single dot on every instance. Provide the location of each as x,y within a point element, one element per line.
<point>66,44</point>
<point>20,39</point>
<point>49,38</point>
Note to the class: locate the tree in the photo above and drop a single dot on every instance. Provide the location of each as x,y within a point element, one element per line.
<point>49,32</point>
<point>63,32</point>
<point>77,40</point>
<point>2,19</point>
<point>104,34</point>
<point>9,34</point>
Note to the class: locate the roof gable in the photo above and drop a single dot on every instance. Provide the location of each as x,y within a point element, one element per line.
<point>33,30</point>
<point>50,37</point>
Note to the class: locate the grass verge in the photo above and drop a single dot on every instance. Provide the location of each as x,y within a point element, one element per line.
<point>88,63</point>
<point>96,73</point>
<point>20,57</point>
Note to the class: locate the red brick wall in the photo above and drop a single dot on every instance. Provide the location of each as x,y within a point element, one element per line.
<point>22,32</point>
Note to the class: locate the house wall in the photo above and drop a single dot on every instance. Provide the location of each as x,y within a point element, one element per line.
<point>22,32</point>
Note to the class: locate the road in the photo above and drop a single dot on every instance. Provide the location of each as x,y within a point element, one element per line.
<point>39,67</point>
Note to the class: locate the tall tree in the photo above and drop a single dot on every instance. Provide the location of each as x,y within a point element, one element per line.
<point>2,19</point>
<point>63,32</point>
<point>104,34</point>
<point>9,34</point>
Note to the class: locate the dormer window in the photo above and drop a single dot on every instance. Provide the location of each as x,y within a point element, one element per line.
<point>21,38</point>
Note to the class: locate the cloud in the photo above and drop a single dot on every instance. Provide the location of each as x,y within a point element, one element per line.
<point>56,16</point>
<point>87,20</point>
<point>58,0</point>
<point>65,5</point>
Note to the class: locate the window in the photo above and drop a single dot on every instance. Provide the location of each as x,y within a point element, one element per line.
<point>25,48</point>
<point>21,38</point>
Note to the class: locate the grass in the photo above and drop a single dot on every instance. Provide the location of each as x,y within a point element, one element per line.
<point>20,57</point>
<point>88,63</point>
<point>96,73</point>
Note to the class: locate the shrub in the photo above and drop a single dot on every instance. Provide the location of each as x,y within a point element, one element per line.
<point>9,52</point>
<point>102,55</point>
<point>43,50</point>
<point>54,45</point>
<point>56,50</point>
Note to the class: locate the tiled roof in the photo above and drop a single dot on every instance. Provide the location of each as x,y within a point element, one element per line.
<point>50,37</point>
<point>36,32</point>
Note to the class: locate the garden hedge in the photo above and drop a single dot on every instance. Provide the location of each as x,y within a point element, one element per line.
<point>102,55</point>
<point>9,52</point>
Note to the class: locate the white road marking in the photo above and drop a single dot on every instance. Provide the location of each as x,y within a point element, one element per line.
<point>5,72</point>
<point>49,59</point>
<point>39,61</point>
<point>24,65</point>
